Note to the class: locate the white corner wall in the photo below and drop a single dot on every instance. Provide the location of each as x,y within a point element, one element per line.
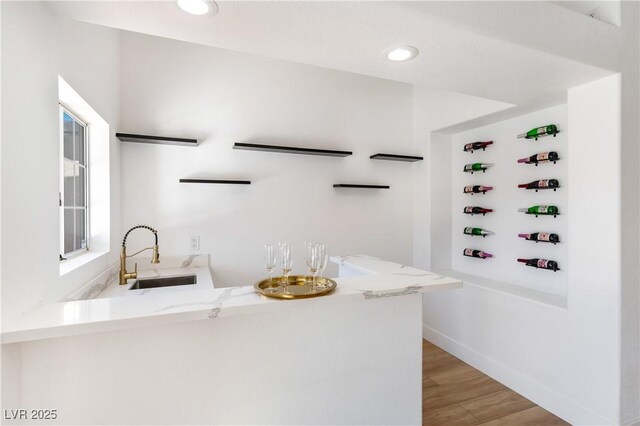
<point>566,360</point>
<point>180,89</point>
<point>36,48</point>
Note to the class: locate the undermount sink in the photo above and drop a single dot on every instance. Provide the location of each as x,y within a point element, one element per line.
<point>163,282</point>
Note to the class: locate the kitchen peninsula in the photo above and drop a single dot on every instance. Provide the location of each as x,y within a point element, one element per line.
<point>216,351</point>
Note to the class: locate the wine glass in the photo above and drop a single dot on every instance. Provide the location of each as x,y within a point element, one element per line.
<point>310,258</point>
<point>322,253</point>
<point>286,261</point>
<point>270,262</point>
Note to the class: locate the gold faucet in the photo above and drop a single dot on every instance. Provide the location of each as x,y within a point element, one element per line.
<point>155,257</point>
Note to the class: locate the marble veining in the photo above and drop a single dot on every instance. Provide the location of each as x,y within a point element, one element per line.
<point>183,262</point>
<point>218,300</point>
<point>216,304</point>
<point>412,289</point>
<point>96,286</point>
<point>184,305</point>
<point>188,261</point>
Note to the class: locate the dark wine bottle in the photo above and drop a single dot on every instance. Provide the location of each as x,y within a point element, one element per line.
<point>475,146</point>
<point>476,231</point>
<point>476,189</point>
<point>541,263</point>
<point>476,167</point>
<point>476,210</point>
<point>541,210</point>
<point>538,132</point>
<point>476,253</point>
<point>540,158</point>
<point>541,184</point>
<point>545,237</point>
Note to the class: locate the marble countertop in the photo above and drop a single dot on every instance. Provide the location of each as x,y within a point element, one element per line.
<point>380,279</point>
<point>369,265</point>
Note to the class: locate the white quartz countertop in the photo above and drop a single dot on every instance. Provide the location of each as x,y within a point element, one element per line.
<point>380,279</point>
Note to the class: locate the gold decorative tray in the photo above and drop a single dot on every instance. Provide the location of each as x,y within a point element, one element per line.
<point>298,287</point>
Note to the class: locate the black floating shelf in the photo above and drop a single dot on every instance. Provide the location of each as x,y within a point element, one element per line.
<point>222,181</point>
<point>129,137</point>
<point>291,150</point>
<point>352,185</point>
<point>396,157</point>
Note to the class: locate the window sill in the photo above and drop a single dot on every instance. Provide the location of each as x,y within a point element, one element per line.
<point>76,262</point>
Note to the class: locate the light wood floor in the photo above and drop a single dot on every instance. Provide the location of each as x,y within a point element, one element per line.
<point>454,393</point>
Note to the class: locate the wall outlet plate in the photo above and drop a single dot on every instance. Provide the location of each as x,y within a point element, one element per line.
<point>194,243</point>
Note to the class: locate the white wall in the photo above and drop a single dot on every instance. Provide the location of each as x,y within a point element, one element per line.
<point>36,47</point>
<point>221,97</point>
<point>566,360</point>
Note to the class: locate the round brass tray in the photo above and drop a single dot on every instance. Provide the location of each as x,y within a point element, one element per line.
<point>299,287</point>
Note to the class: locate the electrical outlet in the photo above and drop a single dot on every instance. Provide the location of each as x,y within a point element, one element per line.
<point>194,243</point>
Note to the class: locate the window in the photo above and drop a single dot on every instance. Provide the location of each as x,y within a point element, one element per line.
<point>74,197</point>
<point>85,182</point>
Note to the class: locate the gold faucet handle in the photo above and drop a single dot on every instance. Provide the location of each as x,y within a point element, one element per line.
<point>133,275</point>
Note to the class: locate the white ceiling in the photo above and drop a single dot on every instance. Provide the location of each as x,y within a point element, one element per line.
<point>458,55</point>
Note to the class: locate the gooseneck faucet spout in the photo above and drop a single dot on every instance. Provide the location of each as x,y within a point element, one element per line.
<point>155,258</point>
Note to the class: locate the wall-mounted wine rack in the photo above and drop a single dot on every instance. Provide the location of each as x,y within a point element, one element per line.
<point>500,160</point>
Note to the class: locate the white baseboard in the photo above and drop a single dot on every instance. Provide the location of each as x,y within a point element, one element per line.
<point>542,395</point>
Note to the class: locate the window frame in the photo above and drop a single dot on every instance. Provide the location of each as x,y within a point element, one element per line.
<point>65,256</point>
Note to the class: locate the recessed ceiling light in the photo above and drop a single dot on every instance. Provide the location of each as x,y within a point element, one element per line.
<point>400,53</point>
<point>198,7</point>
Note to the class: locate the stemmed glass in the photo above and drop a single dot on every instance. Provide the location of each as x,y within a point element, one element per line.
<point>311,259</point>
<point>286,261</point>
<point>270,262</point>
<point>322,256</point>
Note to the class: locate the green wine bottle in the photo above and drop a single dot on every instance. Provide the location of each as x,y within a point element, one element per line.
<point>541,210</point>
<point>476,167</point>
<point>476,231</point>
<point>538,132</point>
